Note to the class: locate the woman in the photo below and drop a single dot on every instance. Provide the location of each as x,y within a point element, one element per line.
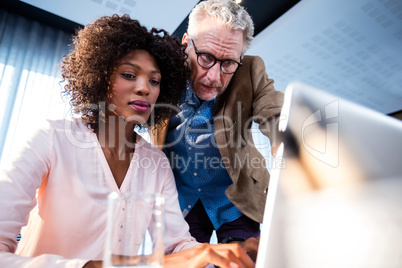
<point>58,184</point>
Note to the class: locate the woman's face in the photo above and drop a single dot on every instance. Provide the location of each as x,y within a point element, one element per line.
<point>135,85</point>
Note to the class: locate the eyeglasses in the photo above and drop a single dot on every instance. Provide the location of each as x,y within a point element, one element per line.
<point>206,60</point>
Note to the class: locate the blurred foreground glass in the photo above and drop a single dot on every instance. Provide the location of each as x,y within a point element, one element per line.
<point>135,231</point>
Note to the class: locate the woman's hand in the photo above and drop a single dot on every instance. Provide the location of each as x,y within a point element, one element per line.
<point>93,264</point>
<point>232,255</point>
<point>250,246</point>
<point>222,255</point>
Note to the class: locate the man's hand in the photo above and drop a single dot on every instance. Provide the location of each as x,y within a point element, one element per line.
<point>250,246</point>
<point>223,255</point>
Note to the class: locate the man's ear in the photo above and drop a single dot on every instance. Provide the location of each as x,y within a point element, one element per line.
<point>185,39</point>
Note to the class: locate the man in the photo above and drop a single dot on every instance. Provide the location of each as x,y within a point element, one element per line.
<point>221,177</point>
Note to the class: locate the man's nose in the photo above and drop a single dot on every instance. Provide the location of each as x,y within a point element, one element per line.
<point>214,73</point>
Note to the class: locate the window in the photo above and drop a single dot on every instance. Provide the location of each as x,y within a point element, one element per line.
<point>30,53</point>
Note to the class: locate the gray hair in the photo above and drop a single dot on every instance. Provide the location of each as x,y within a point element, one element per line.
<point>227,13</point>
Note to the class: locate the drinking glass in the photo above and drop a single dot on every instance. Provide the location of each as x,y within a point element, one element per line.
<point>135,226</point>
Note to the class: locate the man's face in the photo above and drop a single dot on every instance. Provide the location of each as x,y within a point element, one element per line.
<point>220,42</point>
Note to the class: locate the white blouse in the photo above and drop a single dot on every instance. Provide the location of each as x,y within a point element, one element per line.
<point>58,186</point>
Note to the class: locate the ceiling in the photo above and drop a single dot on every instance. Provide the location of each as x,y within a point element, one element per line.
<point>169,15</point>
<point>349,48</point>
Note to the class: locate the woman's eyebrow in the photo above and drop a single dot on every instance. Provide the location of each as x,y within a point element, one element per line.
<point>138,67</point>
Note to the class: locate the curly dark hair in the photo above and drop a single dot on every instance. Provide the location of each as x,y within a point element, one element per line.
<point>99,46</point>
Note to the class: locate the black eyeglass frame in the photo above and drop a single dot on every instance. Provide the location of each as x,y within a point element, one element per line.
<point>239,64</point>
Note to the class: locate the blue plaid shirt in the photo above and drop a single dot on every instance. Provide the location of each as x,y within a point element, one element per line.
<point>197,164</point>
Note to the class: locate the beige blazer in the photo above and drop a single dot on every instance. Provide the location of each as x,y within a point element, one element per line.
<point>249,96</point>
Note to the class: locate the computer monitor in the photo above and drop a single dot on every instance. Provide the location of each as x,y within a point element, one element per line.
<point>335,194</point>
